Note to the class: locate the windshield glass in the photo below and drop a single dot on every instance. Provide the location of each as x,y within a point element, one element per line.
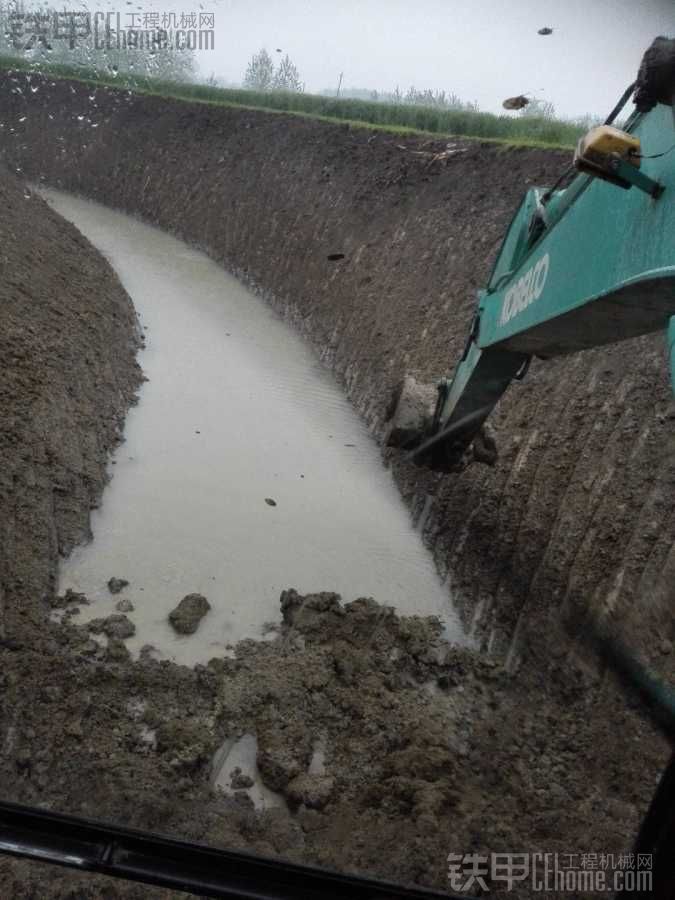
<point>241,245</point>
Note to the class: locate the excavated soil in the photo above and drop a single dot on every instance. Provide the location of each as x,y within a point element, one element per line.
<point>429,749</point>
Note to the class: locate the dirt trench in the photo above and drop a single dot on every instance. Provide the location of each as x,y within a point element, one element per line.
<point>579,507</point>
<point>434,750</point>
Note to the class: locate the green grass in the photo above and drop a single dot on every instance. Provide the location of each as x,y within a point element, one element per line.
<point>400,118</point>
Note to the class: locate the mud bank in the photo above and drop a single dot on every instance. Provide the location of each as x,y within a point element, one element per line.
<point>578,509</point>
<point>68,340</point>
<point>427,749</point>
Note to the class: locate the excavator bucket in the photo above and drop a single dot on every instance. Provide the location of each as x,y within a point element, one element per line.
<point>417,424</point>
<point>413,411</point>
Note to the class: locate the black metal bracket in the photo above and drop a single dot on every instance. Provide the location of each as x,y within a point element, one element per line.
<point>630,176</point>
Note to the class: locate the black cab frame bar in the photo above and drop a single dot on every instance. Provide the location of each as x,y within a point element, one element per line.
<point>89,846</point>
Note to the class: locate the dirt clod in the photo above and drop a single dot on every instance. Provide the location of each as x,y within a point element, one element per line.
<point>239,781</point>
<point>116,626</point>
<point>116,585</point>
<point>314,791</point>
<point>116,650</point>
<point>185,618</point>
<point>66,599</point>
<point>124,605</point>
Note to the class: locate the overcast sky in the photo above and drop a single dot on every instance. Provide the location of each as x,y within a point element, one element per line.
<point>481,50</point>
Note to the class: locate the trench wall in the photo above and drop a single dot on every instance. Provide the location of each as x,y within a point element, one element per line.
<point>577,514</point>
<point>68,341</point>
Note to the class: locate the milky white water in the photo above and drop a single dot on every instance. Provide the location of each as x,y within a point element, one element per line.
<point>236,410</point>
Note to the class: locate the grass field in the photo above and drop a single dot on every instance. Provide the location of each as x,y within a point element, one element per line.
<point>392,117</point>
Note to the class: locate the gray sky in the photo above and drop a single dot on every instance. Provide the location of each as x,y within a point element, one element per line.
<point>481,50</point>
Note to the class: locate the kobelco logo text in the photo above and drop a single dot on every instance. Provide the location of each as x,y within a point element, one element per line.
<point>528,288</point>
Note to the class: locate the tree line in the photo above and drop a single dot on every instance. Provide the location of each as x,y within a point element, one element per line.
<point>262,75</point>
<point>30,34</point>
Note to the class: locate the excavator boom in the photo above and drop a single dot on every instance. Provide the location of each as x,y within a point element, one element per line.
<point>587,265</point>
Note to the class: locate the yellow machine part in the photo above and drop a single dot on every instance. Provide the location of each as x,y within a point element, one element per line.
<point>603,142</point>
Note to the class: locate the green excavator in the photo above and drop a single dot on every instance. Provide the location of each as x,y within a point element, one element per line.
<point>588,262</point>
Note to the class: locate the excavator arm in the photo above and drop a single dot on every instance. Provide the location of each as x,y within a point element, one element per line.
<point>590,264</point>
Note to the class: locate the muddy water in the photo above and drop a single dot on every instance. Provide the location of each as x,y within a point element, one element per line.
<point>236,413</point>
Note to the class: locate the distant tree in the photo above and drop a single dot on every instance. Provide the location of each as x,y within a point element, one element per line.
<point>353,93</point>
<point>540,109</point>
<point>287,77</point>
<point>413,96</point>
<point>169,65</point>
<point>5,33</point>
<point>260,72</point>
<point>589,121</point>
<point>165,63</point>
<point>427,97</point>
